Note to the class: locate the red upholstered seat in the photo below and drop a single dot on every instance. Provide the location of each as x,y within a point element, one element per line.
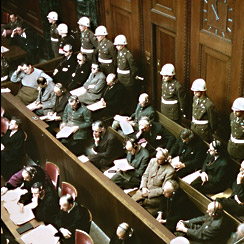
<point>2,111</point>
<point>54,173</point>
<point>81,237</point>
<point>67,188</point>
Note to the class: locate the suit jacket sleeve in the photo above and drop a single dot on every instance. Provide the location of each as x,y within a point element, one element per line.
<point>99,85</point>
<point>146,175</point>
<point>17,76</point>
<point>87,119</point>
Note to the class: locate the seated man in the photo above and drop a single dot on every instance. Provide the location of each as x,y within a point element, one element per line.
<point>70,217</point>
<point>154,135</point>
<point>12,148</point>
<point>66,67</point>
<point>25,178</point>
<point>44,203</point>
<point>106,146</point>
<point>14,21</point>
<point>76,115</point>
<point>174,205</point>
<point>124,235</point>
<point>27,40</point>
<point>235,203</point>
<point>92,89</point>
<point>81,72</point>
<point>190,152</point>
<point>138,157</point>
<point>214,175</point>
<point>157,173</point>
<point>46,97</point>
<point>211,228</point>
<point>112,98</point>
<point>238,236</point>
<point>28,75</point>
<point>143,109</point>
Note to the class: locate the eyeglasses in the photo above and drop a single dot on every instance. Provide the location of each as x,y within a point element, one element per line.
<point>94,67</point>
<point>79,59</point>
<point>66,51</point>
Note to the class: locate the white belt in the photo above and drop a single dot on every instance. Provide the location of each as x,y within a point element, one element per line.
<point>86,50</point>
<point>106,61</point>
<point>54,39</point>
<point>168,101</point>
<point>199,122</point>
<point>124,72</point>
<point>236,140</point>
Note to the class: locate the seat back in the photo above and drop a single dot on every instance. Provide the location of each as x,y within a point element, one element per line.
<point>5,17</point>
<point>4,125</point>
<point>67,188</point>
<point>2,111</point>
<point>54,173</point>
<point>81,237</point>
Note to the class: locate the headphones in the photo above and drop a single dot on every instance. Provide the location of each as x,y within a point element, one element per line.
<point>128,230</point>
<point>216,145</point>
<point>31,171</point>
<point>133,143</point>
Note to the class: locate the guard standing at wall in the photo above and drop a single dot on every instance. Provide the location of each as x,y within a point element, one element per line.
<point>173,95</point>
<point>204,115</point>
<point>236,142</point>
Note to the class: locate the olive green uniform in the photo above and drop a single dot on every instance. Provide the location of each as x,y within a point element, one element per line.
<point>172,99</point>
<point>54,39</point>
<point>204,117</point>
<point>88,44</point>
<point>236,142</point>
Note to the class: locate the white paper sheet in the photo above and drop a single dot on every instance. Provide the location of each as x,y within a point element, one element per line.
<point>65,132</point>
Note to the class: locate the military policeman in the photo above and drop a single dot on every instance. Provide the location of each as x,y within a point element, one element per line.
<point>126,69</point>
<point>65,38</point>
<point>105,50</point>
<point>87,39</point>
<point>52,19</point>
<point>236,142</point>
<point>204,115</point>
<point>173,95</point>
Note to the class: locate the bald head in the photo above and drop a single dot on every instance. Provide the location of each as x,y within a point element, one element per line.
<point>143,99</point>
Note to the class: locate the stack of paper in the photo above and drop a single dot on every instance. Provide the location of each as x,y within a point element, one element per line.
<point>65,132</point>
<point>124,124</point>
<point>95,106</point>
<point>41,235</point>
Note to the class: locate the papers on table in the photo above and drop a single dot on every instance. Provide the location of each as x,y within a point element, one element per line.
<point>32,106</point>
<point>66,131</point>
<point>96,106</point>
<point>41,235</point>
<point>190,178</point>
<point>124,124</point>
<point>11,199</point>
<point>79,91</point>
<point>50,117</point>
<point>83,158</point>
<point>120,164</point>
<point>5,90</point>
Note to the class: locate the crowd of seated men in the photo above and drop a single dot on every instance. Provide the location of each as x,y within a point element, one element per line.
<point>156,157</point>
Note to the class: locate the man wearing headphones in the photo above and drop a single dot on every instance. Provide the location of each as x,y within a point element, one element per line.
<point>213,178</point>
<point>106,147</point>
<point>157,173</point>
<point>188,153</point>
<point>174,205</point>
<point>138,157</point>
<point>211,228</point>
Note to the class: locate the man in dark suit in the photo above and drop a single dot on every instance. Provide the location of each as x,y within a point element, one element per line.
<point>66,67</point>
<point>189,152</point>
<point>12,148</point>
<point>174,205</point>
<point>112,98</point>
<point>106,146</point>
<point>71,216</point>
<point>27,40</point>
<point>211,228</point>
<point>138,157</point>
<point>154,135</point>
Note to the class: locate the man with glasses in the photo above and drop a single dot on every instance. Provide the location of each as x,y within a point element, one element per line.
<point>81,72</point>
<point>28,75</point>
<point>66,67</point>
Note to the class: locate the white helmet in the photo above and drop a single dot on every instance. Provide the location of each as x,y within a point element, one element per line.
<point>120,40</point>
<point>84,21</point>
<point>52,15</point>
<point>238,104</point>
<point>168,69</point>
<point>199,85</point>
<point>62,28</point>
<point>101,31</point>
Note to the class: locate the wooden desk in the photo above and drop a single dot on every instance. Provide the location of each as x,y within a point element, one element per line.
<point>15,53</point>
<point>12,226</point>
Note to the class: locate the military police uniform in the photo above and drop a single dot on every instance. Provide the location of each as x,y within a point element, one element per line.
<point>204,117</point>
<point>54,39</point>
<point>88,44</point>
<point>236,142</point>
<point>107,56</point>
<point>172,99</point>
